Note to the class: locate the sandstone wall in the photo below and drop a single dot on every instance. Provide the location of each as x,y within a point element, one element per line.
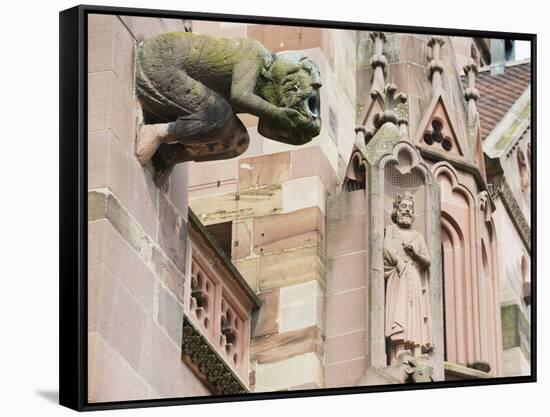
<point>137,234</point>
<point>275,195</point>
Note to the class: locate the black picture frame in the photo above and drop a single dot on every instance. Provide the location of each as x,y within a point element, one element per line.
<point>73,255</point>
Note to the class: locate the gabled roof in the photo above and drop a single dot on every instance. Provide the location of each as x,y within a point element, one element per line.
<point>498,93</point>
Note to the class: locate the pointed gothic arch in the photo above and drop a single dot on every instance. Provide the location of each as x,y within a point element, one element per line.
<point>459,266</point>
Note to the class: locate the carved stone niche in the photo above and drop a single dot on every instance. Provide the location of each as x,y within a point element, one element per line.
<point>396,167</point>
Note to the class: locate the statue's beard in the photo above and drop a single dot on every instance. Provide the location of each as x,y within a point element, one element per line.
<point>405,220</point>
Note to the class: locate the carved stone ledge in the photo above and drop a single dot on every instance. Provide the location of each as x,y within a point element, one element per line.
<point>516,214</point>
<point>207,364</point>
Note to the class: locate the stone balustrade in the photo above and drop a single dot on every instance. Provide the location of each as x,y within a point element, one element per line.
<point>218,304</point>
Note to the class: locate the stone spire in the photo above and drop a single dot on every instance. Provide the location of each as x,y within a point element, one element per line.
<point>471,94</point>
<point>435,66</point>
<point>378,62</point>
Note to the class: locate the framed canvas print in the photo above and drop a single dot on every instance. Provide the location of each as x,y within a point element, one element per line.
<point>262,208</point>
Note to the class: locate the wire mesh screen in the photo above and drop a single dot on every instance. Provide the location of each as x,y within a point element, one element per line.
<point>399,177</point>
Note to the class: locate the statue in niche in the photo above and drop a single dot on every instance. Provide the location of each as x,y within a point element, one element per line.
<point>407,305</point>
<point>192,86</point>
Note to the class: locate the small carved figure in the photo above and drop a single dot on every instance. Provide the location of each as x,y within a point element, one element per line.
<point>406,370</point>
<point>191,86</point>
<point>406,260</point>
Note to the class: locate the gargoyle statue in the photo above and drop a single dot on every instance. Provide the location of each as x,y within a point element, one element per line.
<point>192,86</point>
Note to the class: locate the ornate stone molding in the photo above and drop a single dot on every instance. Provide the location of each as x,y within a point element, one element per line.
<point>207,364</point>
<point>514,210</point>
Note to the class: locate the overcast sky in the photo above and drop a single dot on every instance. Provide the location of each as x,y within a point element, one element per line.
<point>523,49</point>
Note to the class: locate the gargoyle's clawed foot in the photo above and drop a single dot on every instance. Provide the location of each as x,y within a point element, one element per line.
<point>163,169</point>
<point>149,138</point>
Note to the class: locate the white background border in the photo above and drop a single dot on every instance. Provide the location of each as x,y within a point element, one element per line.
<point>29,207</point>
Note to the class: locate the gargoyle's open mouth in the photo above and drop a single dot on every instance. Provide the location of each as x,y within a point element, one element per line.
<point>312,104</point>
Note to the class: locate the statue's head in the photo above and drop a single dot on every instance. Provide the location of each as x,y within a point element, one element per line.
<point>292,81</point>
<point>403,210</point>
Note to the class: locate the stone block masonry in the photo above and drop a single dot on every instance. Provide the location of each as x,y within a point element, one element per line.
<point>137,236</point>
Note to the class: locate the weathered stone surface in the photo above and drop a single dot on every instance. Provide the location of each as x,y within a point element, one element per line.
<point>344,374</point>
<point>143,27</point>
<point>298,370</point>
<point>277,347</point>
<point>241,232</point>
<point>120,318</point>
<point>346,235</point>
<point>291,267</point>
<point>178,189</point>
<point>112,106</point>
<point>170,314</point>
<point>296,38</point>
<point>172,234</point>
<point>346,347</point>
<point>253,202</point>
<point>305,227</point>
<point>111,250</point>
<point>250,271</point>
<point>161,365</point>
<point>311,161</point>
<point>346,272</point>
<point>209,174</point>
<point>110,377</point>
<point>264,170</point>
<point>111,166</point>
<point>111,48</point>
<point>267,318</point>
<point>342,308</point>
<point>347,204</point>
<point>304,192</point>
<point>168,272</point>
<point>300,306</point>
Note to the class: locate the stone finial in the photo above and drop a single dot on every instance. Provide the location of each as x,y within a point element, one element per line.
<point>378,62</point>
<point>471,94</point>
<point>362,135</point>
<point>392,100</point>
<point>435,66</point>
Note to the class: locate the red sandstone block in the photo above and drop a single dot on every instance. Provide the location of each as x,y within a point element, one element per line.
<point>266,322</point>
<point>345,347</point>
<point>111,166</point>
<point>346,312</point>
<point>347,235</point>
<point>311,161</point>
<point>264,170</point>
<point>110,377</point>
<point>296,229</point>
<point>346,272</point>
<point>120,318</point>
<point>285,38</point>
<point>112,106</point>
<point>107,248</point>
<point>344,374</point>
<point>161,365</point>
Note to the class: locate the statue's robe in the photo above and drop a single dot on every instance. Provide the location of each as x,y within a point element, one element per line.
<point>408,311</point>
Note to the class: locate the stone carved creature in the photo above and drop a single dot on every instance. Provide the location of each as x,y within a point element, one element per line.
<point>406,370</point>
<point>192,86</point>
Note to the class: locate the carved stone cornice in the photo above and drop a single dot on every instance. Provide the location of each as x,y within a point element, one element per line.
<point>207,364</point>
<point>515,212</point>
